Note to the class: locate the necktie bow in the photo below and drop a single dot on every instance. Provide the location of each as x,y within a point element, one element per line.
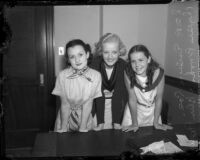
<point>82,72</point>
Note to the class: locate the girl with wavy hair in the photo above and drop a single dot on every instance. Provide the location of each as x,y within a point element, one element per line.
<point>109,108</point>
<point>144,80</point>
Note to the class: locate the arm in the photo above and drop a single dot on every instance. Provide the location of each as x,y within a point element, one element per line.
<point>132,101</point>
<point>158,106</point>
<point>64,114</point>
<point>87,107</point>
<point>158,101</point>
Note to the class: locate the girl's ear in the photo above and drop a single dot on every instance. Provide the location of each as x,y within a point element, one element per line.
<point>87,54</point>
<point>149,60</point>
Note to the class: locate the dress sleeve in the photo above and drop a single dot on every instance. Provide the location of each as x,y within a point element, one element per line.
<point>97,86</point>
<point>58,89</point>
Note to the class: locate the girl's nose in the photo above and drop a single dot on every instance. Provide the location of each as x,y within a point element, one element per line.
<point>110,55</point>
<point>77,59</point>
<point>137,64</point>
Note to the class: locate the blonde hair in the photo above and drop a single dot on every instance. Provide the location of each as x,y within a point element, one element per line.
<point>109,37</point>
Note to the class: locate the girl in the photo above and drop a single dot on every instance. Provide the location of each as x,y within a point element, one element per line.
<point>109,108</point>
<point>144,81</point>
<point>77,86</point>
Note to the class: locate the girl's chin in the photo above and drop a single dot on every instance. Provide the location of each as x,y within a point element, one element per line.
<point>79,67</point>
<point>140,74</point>
<point>109,65</point>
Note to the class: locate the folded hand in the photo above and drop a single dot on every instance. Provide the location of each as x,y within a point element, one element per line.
<point>162,126</point>
<point>130,128</point>
<point>61,130</point>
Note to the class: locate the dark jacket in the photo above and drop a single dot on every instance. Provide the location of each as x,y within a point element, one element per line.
<point>120,95</point>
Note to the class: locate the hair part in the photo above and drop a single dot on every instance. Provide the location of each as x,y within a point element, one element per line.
<point>152,66</point>
<point>109,37</point>
<point>77,42</point>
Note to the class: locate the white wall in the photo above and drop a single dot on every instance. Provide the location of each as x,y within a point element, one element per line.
<point>146,24</point>
<point>74,22</point>
<point>153,28</point>
<point>122,20</point>
<point>133,23</point>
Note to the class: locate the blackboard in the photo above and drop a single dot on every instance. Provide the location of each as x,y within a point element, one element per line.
<point>183,106</point>
<point>182,62</point>
<point>182,46</point>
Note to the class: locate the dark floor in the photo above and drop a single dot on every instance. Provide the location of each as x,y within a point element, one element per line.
<point>19,143</point>
<point>18,152</point>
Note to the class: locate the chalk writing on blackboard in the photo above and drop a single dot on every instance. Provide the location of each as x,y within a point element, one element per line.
<point>191,18</point>
<point>182,41</point>
<point>180,98</point>
<point>192,22</point>
<point>191,12</point>
<point>188,103</point>
<point>179,27</point>
<point>193,56</point>
<point>179,62</point>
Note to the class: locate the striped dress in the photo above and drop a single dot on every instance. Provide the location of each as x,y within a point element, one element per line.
<point>76,89</point>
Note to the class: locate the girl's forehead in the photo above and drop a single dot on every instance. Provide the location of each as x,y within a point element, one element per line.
<point>111,43</point>
<point>138,55</point>
<point>76,48</point>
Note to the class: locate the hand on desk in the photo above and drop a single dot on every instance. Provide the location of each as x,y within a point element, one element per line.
<point>61,130</point>
<point>162,126</point>
<point>130,128</point>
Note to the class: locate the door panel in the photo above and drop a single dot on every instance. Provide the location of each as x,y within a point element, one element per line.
<point>30,55</point>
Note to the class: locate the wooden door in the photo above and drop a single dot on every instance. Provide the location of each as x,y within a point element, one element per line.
<point>29,70</point>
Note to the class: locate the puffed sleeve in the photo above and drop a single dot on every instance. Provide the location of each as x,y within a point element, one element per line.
<point>97,86</point>
<point>58,89</point>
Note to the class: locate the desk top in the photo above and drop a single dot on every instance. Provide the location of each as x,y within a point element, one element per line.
<point>107,142</point>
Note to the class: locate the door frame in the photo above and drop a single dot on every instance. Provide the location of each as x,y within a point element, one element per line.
<point>47,69</point>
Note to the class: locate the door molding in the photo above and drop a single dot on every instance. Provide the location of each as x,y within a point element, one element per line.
<point>50,70</point>
<point>46,68</point>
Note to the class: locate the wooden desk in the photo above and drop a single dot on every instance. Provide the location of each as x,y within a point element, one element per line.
<point>106,142</point>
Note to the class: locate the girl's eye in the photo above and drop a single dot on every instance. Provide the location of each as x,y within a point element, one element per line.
<point>115,52</point>
<point>80,55</point>
<point>132,61</point>
<point>71,57</point>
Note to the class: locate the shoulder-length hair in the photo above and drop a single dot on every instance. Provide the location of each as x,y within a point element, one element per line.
<point>152,66</point>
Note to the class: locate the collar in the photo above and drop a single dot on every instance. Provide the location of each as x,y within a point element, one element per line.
<point>77,73</point>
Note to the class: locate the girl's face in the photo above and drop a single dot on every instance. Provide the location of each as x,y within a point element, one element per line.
<point>77,57</point>
<point>110,53</point>
<point>139,63</point>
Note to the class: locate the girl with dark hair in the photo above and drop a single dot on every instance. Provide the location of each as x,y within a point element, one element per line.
<point>144,80</point>
<point>77,86</point>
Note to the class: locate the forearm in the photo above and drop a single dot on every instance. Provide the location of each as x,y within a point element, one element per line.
<point>133,111</point>
<point>157,111</point>
<point>87,107</point>
<point>64,115</point>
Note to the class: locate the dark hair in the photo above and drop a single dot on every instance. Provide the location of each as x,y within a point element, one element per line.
<point>76,42</point>
<point>152,66</point>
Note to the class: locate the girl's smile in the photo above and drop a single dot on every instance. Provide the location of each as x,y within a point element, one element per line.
<point>139,63</point>
<point>110,53</point>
